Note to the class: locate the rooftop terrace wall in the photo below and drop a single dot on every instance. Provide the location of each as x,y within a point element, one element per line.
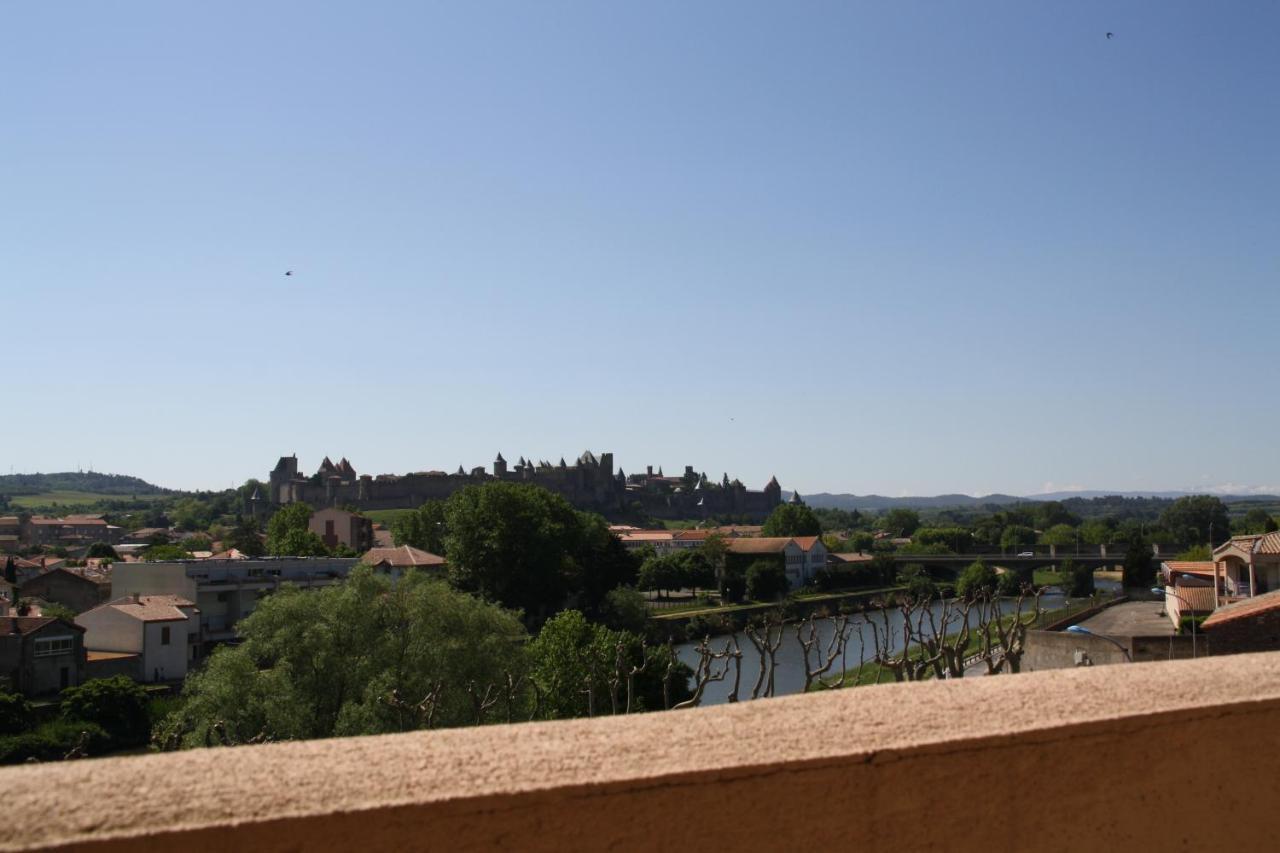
<point>1113,757</point>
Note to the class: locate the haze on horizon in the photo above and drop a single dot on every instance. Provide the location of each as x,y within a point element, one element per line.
<point>889,248</point>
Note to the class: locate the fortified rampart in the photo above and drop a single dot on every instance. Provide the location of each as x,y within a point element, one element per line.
<point>590,483</point>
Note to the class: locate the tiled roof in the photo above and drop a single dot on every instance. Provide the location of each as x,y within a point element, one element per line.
<point>771,544</point>
<point>694,535</point>
<point>1192,567</point>
<point>759,545</point>
<point>1252,543</point>
<point>1259,604</point>
<point>26,624</point>
<point>152,608</point>
<point>406,556</point>
<point>647,536</point>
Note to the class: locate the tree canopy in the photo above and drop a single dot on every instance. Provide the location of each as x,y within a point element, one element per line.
<point>349,659</point>
<point>900,521</point>
<point>527,548</point>
<point>1195,519</point>
<point>791,520</point>
<point>289,536</point>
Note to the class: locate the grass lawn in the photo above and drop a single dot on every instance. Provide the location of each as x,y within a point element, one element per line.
<point>1047,577</point>
<point>74,498</point>
<point>385,516</point>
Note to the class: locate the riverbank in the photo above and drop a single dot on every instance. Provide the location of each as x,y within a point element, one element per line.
<point>728,618</point>
<point>874,673</point>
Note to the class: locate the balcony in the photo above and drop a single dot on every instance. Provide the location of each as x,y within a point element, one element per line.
<point>1076,759</point>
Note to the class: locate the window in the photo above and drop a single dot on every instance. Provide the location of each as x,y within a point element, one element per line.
<point>50,646</point>
<point>164,636</point>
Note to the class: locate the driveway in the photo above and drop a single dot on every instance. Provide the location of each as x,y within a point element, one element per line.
<point>1131,619</point>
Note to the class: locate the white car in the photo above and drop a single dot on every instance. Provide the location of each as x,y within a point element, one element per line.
<point>1027,554</point>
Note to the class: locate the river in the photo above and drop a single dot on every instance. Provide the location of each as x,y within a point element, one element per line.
<point>789,673</point>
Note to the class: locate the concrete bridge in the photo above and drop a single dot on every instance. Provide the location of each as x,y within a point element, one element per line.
<point>1022,561</point>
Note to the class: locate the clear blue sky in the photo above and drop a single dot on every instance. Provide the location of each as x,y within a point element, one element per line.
<point>873,247</point>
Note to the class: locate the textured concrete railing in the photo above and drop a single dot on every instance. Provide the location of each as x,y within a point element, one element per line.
<point>1079,759</point>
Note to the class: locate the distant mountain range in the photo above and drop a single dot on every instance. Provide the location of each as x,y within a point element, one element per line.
<point>77,481</point>
<point>827,500</point>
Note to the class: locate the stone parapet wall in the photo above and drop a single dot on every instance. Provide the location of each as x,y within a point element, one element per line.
<point>1031,761</point>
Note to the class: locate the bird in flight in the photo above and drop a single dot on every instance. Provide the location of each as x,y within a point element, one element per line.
<point>288,272</point>
<point>1110,35</point>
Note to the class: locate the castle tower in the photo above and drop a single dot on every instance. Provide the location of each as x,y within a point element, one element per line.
<point>499,467</point>
<point>773,492</point>
<point>280,478</point>
<point>795,499</point>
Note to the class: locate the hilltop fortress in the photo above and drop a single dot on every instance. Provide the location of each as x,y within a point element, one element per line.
<point>590,483</point>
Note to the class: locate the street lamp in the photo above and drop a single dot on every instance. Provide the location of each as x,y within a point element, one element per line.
<point>1190,610</point>
<point>1080,629</point>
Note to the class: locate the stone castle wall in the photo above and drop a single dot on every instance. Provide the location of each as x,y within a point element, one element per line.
<point>588,485</point>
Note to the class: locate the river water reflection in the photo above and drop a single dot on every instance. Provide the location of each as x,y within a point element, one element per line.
<point>789,674</point>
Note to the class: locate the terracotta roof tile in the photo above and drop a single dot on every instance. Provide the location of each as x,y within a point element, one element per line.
<point>1259,604</point>
<point>26,624</point>
<point>152,608</point>
<point>405,556</point>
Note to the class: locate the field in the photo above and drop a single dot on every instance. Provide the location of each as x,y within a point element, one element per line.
<point>69,498</point>
<point>385,516</point>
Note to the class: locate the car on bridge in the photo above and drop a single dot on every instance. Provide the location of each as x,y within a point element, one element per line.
<point>1027,554</point>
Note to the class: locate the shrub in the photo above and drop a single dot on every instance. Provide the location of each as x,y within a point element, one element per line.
<point>917,581</point>
<point>766,580</point>
<point>1077,580</point>
<point>976,578</point>
<point>15,714</point>
<point>116,704</point>
<point>1009,583</point>
<point>624,609</point>
<point>53,740</point>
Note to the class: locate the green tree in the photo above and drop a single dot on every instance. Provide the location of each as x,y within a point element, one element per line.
<point>1077,579</point>
<point>117,704</point>
<point>1051,514</point>
<point>101,550</point>
<point>162,553</point>
<point>791,520</point>
<point>422,528</point>
<point>1097,531</point>
<point>1194,519</point>
<point>1196,553</point>
<point>954,539</point>
<point>976,578</point>
<point>527,548</point>
<point>573,661</point>
<point>1139,569</point>
<point>15,714</point>
<point>766,580</point>
<point>1060,535</point>
<point>917,581</point>
<point>1017,537</point>
<point>900,521</point>
<point>660,574</point>
<point>244,537</point>
<point>288,534</point>
<point>54,610</point>
<point>1257,520</point>
<point>354,658</point>
<point>625,609</point>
